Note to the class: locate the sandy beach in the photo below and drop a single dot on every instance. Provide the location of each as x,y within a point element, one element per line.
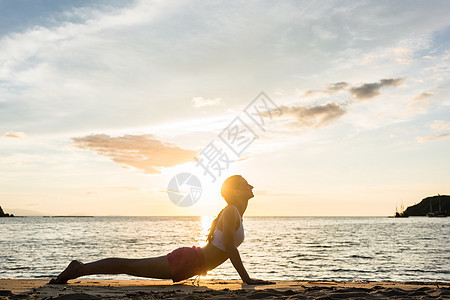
<point>218,289</point>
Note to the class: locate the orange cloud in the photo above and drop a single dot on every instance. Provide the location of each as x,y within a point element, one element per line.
<point>143,152</point>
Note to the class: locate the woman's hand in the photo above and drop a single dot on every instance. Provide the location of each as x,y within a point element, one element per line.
<point>258,281</point>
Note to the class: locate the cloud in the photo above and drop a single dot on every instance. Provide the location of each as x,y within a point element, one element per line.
<point>143,152</point>
<point>440,125</point>
<point>331,89</point>
<point>110,64</point>
<point>314,116</point>
<point>335,87</point>
<point>430,138</point>
<point>420,102</point>
<point>200,101</point>
<point>15,135</point>
<point>423,96</point>
<point>370,90</point>
<point>363,92</point>
<point>437,125</point>
<point>403,55</point>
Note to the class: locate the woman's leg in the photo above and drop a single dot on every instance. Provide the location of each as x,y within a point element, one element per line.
<point>155,267</point>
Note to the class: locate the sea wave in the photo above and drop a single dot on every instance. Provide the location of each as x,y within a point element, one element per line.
<point>380,249</point>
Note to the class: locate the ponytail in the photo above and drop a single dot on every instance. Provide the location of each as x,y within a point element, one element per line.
<point>212,229</point>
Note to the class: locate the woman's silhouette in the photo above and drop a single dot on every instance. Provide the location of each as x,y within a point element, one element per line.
<point>225,235</point>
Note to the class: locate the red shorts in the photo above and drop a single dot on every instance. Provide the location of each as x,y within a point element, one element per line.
<point>186,262</point>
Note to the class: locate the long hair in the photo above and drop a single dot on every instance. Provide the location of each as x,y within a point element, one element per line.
<point>230,184</point>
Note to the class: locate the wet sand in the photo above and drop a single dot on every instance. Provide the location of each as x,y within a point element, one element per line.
<point>218,289</point>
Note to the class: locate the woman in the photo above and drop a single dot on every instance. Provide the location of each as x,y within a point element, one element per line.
<point>225,235</point>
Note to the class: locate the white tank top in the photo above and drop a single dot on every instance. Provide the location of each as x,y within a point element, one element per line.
<point>238,235</point>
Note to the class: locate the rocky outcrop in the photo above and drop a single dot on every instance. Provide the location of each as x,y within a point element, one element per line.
<point>430,204</point>
<point>2,213</point>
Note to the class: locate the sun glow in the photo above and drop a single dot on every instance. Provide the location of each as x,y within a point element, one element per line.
<point>205,223</point>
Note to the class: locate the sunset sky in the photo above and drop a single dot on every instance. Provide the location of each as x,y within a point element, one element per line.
<point>102,104</point>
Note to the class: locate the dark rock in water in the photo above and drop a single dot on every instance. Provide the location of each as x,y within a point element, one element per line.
<point>430,204</point>
<point>2,213</point>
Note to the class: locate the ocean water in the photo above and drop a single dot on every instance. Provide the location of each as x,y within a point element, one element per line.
<point>277,248</point>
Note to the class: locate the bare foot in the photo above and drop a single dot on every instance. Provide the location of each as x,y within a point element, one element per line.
<point>69,273</point>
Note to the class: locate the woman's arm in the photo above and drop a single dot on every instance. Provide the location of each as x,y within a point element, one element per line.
<point>229,228</point>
